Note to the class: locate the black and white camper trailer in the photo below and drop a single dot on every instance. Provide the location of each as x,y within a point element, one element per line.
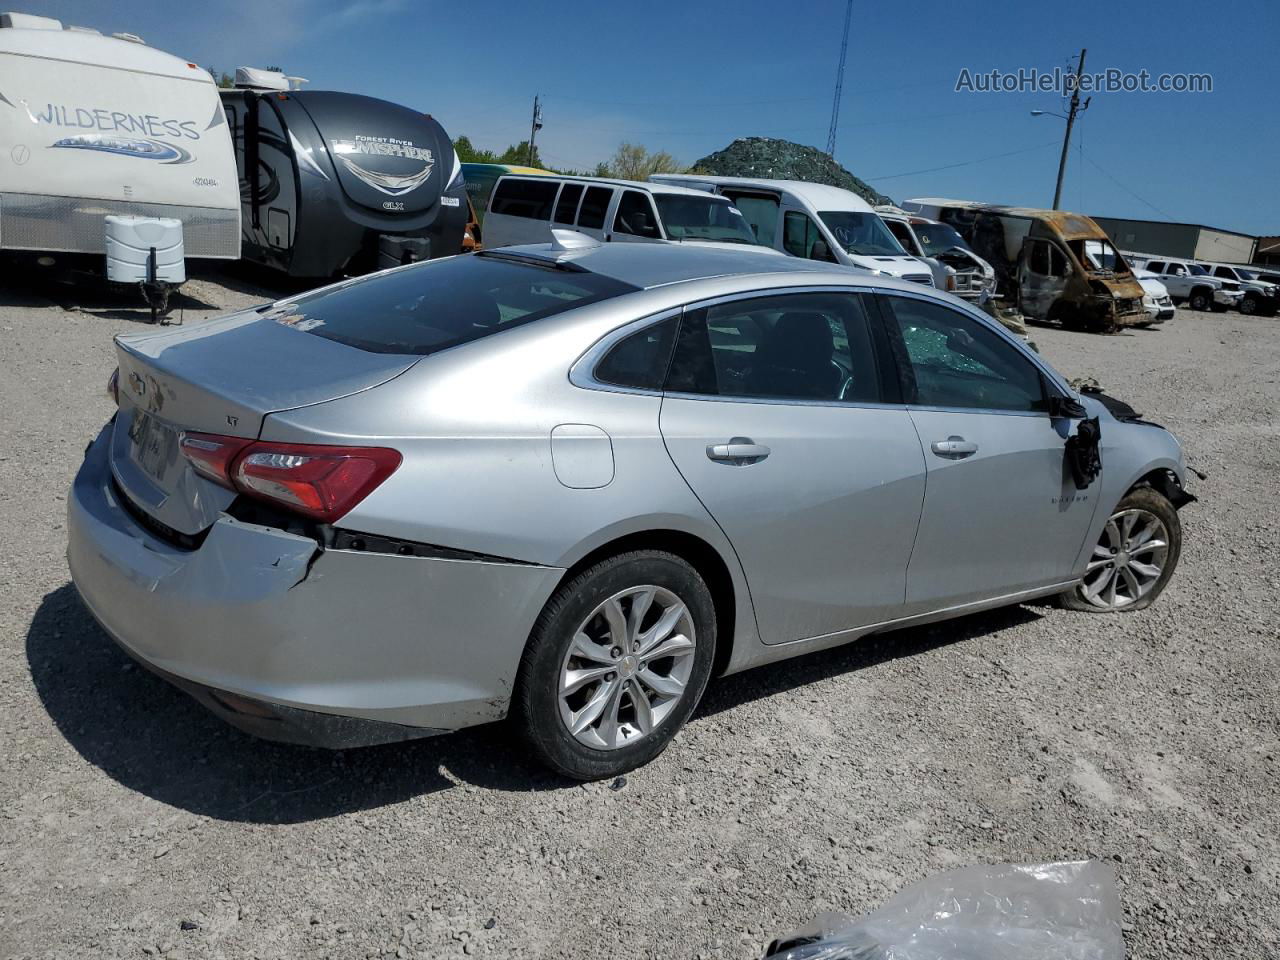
<point>337,183</point>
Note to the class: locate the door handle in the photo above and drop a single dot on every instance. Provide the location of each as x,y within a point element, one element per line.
<point>739,451</point>
<point>954,448</point>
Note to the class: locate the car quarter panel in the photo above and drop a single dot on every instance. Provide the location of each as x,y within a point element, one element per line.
<point>257,611</point>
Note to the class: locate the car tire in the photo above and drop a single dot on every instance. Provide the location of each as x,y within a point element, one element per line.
<point>1200,300</point>
<point>584,701</point>
<point>1134,558</point>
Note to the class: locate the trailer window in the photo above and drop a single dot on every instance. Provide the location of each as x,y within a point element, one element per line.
<point>439,304</point>
<point>532,198</point>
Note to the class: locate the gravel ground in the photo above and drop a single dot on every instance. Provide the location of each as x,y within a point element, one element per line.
<point>132,823</point>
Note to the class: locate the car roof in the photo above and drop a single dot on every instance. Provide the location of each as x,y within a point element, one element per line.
<point>822,196</point>
<point>648,265</point>
<point>666,188</point>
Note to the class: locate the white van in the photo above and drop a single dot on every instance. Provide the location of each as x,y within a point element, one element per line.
<point>96,126</point>
<point>813,221</point>
<point>524,209</point>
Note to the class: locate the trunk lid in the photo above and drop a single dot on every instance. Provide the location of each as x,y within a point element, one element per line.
<point>223,377</point>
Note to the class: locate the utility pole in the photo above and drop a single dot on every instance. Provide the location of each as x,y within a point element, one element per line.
<point>1066,137</point>
<point>835,104</point>
<point>537,125</point>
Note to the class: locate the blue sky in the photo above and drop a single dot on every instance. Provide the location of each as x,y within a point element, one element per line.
<point>690,77</point>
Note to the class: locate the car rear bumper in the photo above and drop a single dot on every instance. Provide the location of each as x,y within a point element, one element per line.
<point>298,643</point>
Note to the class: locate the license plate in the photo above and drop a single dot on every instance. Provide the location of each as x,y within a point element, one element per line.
<point>154,444</point>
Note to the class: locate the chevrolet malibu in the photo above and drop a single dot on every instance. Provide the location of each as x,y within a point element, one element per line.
<point>568,484</point>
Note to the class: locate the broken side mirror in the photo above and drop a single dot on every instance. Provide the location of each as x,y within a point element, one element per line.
<point>1068,408</point>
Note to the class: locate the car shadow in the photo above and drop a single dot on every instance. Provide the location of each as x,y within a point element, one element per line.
<point>862,654</point>
<point>153,739</point>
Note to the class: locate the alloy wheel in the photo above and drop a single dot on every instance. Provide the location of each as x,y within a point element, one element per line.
<point>1128,560</point>
<point>627,667</point>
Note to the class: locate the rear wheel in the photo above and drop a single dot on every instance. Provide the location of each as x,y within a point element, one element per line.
<point>1133,559</point>
<point>616,663</point>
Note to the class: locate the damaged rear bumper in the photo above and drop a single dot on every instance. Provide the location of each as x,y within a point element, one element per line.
<point>291,642</point>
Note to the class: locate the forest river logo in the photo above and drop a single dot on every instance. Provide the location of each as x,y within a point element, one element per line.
<point>394,185</point>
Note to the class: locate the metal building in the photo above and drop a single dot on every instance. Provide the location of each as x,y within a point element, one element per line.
<point>1187,241</point>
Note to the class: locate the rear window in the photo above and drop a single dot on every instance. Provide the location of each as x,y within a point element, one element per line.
<point>436,305</point>
<point>530,198</point>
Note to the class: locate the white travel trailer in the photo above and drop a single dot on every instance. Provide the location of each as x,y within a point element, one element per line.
<point>813,221</point>
<point>93,127</point>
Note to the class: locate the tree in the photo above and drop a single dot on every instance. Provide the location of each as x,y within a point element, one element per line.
<point>634,162</point>
<point>468,153</point>
<point>518,155</point>
<point>223,80</point>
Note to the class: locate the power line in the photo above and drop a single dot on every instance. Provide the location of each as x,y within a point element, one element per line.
<point>1089,157</point>
<point>965,163</point>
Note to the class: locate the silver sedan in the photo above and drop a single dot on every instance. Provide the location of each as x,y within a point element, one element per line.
<point>571,483</point>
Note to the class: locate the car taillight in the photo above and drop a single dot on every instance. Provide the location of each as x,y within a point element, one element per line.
<point>210,454</point>
<point>317,480</point>
<point>113,386</point>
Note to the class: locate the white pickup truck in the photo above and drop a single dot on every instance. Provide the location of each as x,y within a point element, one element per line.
<point>1192,284</point>
<point>1260,296</point>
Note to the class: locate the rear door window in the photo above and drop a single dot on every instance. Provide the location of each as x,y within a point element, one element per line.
<point>567,205</point>
<point>595,204</point>
<point>531,198</point>
<point>799,346</point>
<point>440,304</point>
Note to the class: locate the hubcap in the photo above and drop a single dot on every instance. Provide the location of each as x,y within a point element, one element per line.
<point>1128,560</point>
<point>627,667</point>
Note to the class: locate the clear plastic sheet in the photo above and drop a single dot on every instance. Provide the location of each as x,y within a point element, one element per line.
<point>1040,911</point>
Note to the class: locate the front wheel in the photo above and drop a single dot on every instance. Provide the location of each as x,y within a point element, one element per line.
<point>1249,305</point>
<point>1133,559</point>
<point>1200,300</point>
<point>616,663</point>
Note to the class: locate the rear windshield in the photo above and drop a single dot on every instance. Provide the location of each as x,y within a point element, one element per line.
<point>436,305</point>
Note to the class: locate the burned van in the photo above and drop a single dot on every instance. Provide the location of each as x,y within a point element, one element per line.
<point>1050,264</point>
<point>339,184</point>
